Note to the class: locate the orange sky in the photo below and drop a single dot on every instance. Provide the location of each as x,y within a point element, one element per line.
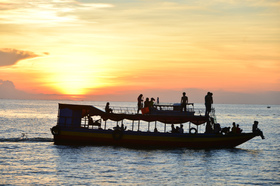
<point>116,47</point>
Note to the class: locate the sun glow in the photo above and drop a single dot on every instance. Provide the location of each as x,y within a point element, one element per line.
<point>69,75</point>
<point>80,49</point>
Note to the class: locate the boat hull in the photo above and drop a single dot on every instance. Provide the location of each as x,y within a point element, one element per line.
<point>135,139</point>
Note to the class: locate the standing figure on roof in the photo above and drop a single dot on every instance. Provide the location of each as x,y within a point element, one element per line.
<point>184,102</point>
<point>140,102</point>
<point>208,103</point>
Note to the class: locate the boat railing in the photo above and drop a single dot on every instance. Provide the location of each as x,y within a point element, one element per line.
<point>166,107</point>
<point>159,107</point>
<point>174,107</point>
<point>124,110</point>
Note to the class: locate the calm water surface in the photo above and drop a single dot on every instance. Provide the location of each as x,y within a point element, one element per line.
<point>29,157</point>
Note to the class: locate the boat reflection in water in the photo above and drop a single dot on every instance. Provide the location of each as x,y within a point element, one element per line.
<point>76,126</point>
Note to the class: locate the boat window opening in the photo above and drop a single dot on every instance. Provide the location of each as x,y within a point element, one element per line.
<point>69,118</point>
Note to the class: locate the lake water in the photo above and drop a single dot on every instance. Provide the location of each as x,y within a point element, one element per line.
<point>29,157</point>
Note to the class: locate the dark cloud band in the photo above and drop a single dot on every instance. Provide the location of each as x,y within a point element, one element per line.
<point>9,56</point>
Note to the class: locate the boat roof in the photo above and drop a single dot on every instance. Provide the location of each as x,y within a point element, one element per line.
<point>164,118</point>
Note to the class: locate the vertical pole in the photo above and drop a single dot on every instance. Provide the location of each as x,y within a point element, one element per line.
<point>138,125</point>
<point>148,126</point>
<point>132,124</point>
<point>164,127</point>
<point>105,125</point>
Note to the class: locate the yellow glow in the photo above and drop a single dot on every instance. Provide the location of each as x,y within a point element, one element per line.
<point>95,48</point>
<point>72,75</point>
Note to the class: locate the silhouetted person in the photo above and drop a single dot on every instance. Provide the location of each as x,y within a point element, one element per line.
<point>208,128</point>
<point>155,130</point>
<point>217,128</point>
<point>181,130</point>
<point>177,130</point>
<point>184,102</point>
<point>90,120</point>
<point>123,128</point>
<point>152,102</point>
<point>256,130</point>
<point>208,103</point>
<point>173,130</point>
<point>238,130</point>
<point>233,129</point>
<point>147,103</point>
<point>139,102</point>
<point>107,108</point>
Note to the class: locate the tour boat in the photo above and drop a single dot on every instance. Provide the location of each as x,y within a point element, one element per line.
<point>88,125</point>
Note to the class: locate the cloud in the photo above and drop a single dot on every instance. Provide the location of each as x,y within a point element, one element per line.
<point>9,56</point>
<point>9,91</point>
<point>6,85</point>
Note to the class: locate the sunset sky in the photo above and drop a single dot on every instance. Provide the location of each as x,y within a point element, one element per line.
<point>115,50</point>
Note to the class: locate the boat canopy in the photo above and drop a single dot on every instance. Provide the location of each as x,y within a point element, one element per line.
<point>80,111</point>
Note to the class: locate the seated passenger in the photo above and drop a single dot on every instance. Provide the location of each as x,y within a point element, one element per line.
<point>256,130</point>
<point>177,130</point>
<point>117,127</point>
<point>238,130</point>
<point>90,121</point>
<point>123,128</point>
<point>151,105</point>
<point>147,103</point>
<point>181,130</point>
<point>225,130</point>
<point>217,128</point>
<point>173,130</point>
<point>107,108</point>
<point>208,128</point>
<point>155,130</point>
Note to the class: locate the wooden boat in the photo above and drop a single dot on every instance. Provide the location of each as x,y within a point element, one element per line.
<point>75,125</point>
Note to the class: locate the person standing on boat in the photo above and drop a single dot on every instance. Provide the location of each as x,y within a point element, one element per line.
<point>184,102</point>
<point>140,102</point>
<point>208,103</point>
